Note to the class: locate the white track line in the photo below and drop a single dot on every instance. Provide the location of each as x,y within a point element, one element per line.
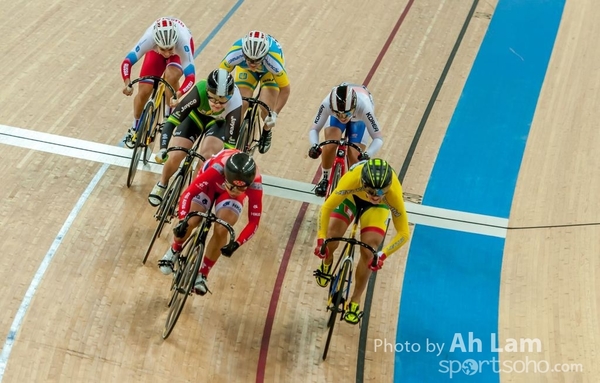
<point>16,324</point>
<point>274,186</point>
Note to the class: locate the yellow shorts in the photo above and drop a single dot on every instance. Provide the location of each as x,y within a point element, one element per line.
<point>245,78</point>
<point>372,217</point>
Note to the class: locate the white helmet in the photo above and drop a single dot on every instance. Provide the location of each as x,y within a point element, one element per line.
<point>165,33</point>
<point>255,45</point>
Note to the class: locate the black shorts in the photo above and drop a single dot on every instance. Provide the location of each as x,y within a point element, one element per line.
<point>191,130</point>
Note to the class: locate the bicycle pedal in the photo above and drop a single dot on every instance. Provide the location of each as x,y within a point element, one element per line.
<point>320,274</point>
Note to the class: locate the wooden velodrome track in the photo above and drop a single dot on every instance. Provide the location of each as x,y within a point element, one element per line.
<point>95,314</point>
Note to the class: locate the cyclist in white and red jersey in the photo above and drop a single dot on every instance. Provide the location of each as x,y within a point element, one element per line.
<point>227,179</point>
<point>167,47</point>
<point>347,106</point>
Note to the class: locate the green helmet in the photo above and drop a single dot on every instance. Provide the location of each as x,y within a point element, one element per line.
<point>376,174</point>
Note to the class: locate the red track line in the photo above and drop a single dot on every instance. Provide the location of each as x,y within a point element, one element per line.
<point>264,346</point>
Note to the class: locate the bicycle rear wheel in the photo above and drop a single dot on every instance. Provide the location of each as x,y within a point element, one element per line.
<point>165,211</point>
<point>337,293</point>
<point>140,141</point>
<point>183,286</point>
<point>243,141</point>
<point>154,130</point>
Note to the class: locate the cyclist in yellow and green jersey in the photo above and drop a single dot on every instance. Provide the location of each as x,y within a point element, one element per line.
<point>371,190</point>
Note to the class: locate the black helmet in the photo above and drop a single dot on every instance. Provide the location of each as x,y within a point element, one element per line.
<point>376,174</point>
<point>240,169</point>
<point>342,99</point>
<point>220,83</point>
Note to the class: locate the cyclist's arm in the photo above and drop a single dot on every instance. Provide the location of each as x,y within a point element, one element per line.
<point>395,201</point>
<point>368,117</point>
<point>347,185</point>
<point>233,57</point>
<point>254,194</point>
<point>198,185</point>
<point>144,45</point>
<point>181,111</point>
<point>322,115</point>
<point>189,70</point>
<point>274,64</point>
<point>184,50</point>
<point>233,117</point>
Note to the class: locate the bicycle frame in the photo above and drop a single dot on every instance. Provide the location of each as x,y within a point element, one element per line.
<point>148,123</point>
<point>343,273</point>
<point>167,209</point>
<point>186,271</point>
<point>340,162</point>
<point>252,125</point>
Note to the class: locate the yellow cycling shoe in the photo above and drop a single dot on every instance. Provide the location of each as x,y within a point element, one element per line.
<point>322,275</point>
<point>353,314</point>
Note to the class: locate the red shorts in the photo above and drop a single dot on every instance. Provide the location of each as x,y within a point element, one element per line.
<point>155,64</point>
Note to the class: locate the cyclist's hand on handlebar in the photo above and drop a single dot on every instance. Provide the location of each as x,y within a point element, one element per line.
<point>270,120</point>
<point>363,156</point>
<point>230,248</point>
<point>180,230</point>
<point>314,152</point>
<point>128,89</point>
<point>380,258</point>
<point>175,100</point>
<point>318,249</point>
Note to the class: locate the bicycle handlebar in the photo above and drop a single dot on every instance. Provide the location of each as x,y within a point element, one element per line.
<point>213,218</point>
<point>252,100</point>
<point>340,142</point>
<point>190,152</point>
<point>351,241</point>
<point>155,79</point>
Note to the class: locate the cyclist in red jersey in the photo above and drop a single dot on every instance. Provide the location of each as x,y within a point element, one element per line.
<point>227,179</point>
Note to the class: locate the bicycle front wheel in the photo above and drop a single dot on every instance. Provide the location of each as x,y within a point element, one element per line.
<point>336,294</point>
<point>183,287</point>
<point>153,131</point>
<point>166,210</point>
<point>337,174</point>
<point>140,141</point>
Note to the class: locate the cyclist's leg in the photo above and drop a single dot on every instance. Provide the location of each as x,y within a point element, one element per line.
<point>184,135</point>
<point>173,73</point>
<point>213,140</point>
<point>268,94</point>
<point>199,203</point>
<point>359,136</point>
<point>339,221</point>
<point>333,130</point>
<point>372,223</point>
<point>227,208</point>
<point>154,65</point>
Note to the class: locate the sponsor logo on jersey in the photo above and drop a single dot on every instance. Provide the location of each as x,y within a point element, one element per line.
<point>321,109</point>
<point>188,105</point>
<point>274,69</point>
<point>394,211</point>
<point>238,57</point>
<point>372,121</point>
<point>232,126</point>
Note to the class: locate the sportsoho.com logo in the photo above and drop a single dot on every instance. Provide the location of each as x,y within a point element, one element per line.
<point>473,367</point>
